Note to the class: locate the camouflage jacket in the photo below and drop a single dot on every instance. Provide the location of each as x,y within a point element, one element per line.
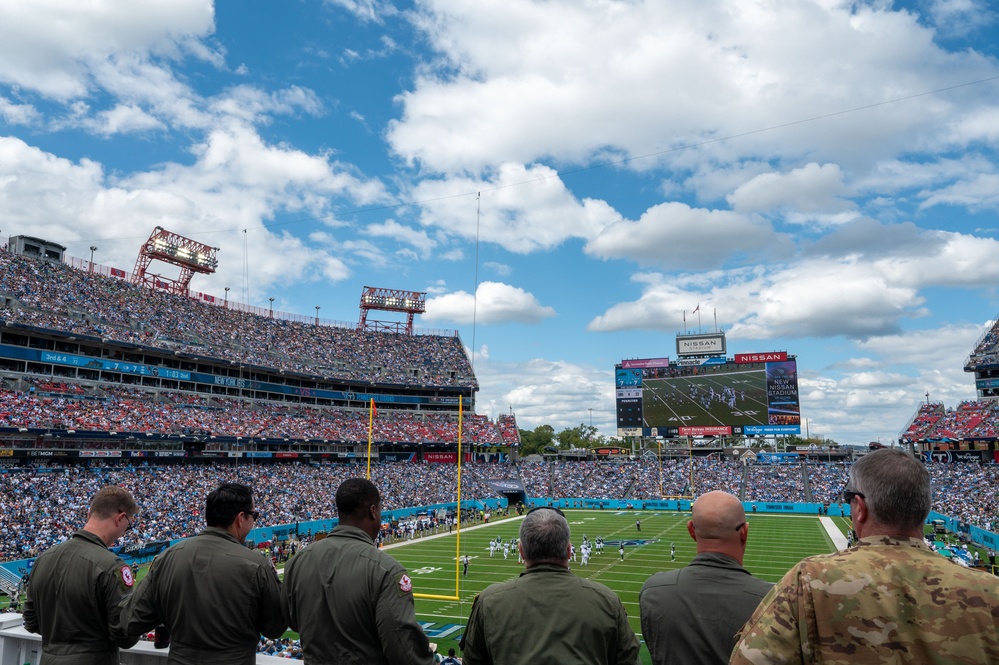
<point>883,601</point>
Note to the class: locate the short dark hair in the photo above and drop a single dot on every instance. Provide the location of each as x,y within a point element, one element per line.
<point>226,502</point>
<point>545,536</point>
<point>895,485</point>
<point>111,500</point>
<point>355,495</point>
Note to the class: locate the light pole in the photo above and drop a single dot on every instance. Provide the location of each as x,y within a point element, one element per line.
<point>226,305</point>
<point>591,417</point>
<point>317,315</point>
<point>272,307</point>
<point>93,248</point>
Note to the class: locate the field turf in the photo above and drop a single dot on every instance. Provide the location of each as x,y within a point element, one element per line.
<point>776,542</point>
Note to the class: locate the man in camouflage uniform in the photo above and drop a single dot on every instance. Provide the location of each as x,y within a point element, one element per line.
<point>890,599</point>
<point>76,586</point>
<point>349,601</point>
<point>548,615</point>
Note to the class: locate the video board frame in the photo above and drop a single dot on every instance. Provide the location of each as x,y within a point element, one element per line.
<point>750,395</point>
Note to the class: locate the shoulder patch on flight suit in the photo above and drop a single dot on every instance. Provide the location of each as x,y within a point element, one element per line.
<point>405,584</point>
<point>126,576</point>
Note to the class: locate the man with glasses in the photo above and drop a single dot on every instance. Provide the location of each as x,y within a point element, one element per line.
<point>548,615</point>
<point>214,596</point>
<point>75,588</point>
<point>350,601</point>
<point>889,599</point>
<point>692,614</point>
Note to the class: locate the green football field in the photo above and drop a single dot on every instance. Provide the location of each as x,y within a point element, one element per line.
<point>776,542</point>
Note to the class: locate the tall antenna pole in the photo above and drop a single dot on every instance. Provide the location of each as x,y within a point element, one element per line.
<point>475,293</point>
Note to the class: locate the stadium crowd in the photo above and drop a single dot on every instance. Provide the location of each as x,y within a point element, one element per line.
<point>107,407</point>
<point>40,505</point>
<point>55,296</point>
<point>987,350</point>
<point>971,419</point>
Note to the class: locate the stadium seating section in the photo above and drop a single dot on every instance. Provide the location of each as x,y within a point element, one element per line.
<point>40,505</point>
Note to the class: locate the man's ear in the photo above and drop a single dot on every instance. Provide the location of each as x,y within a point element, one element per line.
<point>690,530</point>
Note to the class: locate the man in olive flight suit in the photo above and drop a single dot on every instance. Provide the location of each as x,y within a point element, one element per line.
<point>215,596</point>
<point>350,601</point>
<point>76,587</point>
<point>548,615</point>
<point>692,614</point>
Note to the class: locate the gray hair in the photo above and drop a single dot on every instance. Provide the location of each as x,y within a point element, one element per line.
<point>545,537</point>
<point>895,485</point>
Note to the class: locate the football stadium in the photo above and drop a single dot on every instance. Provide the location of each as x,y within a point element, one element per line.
<point>116,377</point>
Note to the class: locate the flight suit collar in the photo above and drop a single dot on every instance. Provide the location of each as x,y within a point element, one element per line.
<point>545,568</point>
<point>344,531</point>
<point>92,537</point>
<point>218,533</point>
<point>717,560</point>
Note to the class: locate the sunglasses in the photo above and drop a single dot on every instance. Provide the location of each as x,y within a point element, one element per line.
<point>850,495</point>
<point>253,513</point>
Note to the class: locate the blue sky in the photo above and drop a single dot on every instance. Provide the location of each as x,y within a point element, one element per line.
<point>821,174</point>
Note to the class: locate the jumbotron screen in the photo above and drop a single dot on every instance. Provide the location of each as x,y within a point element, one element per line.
<point>753,394</point>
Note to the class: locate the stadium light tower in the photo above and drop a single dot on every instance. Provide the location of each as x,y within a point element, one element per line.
<point>189,255</point>
<point>317,315</point>
<point>93,248</point>
<point>391,300</point>
<point>226,297</point>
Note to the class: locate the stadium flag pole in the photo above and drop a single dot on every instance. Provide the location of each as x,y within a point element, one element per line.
<point>371,424</point>
<point>457,538</point>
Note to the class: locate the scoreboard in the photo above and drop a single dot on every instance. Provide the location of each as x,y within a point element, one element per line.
<point>752,394</point>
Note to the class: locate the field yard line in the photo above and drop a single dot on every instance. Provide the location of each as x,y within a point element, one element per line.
<point>835,535</point>
<point>443,535</point>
